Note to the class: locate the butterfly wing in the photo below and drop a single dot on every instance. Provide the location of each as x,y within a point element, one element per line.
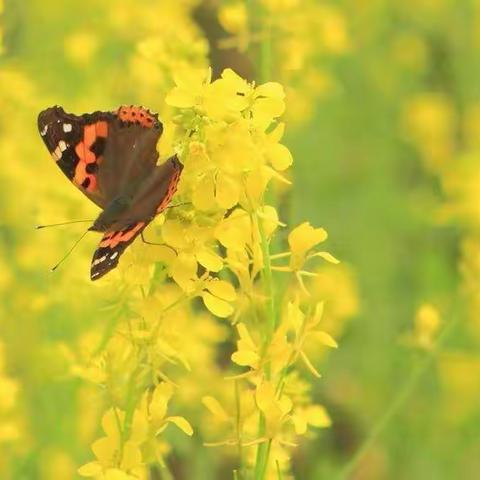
<point>111,247</point>
<point>77,143</point>
<point>130,154</point>
<point>111,156</point>
<point>102,152</point>
<point>151,199</point>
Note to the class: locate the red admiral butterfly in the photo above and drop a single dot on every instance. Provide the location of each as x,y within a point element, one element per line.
<point>112,158</point>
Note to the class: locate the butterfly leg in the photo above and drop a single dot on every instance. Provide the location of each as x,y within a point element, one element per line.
<point>157,244</point>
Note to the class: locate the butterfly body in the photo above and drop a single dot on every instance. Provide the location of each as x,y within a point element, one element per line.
<point>112,158</point>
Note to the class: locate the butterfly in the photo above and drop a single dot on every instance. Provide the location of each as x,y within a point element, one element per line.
<point>112,158</point>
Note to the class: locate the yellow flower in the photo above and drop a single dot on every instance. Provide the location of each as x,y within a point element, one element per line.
<point>154,409</point>
<point>236,419</point>
<point>301,240</point>
<point>8,393</point>
<point>247,353</point>
<point>217,296</point>
<point>114,457</point>
<point>190,88</point>
<point>80,47</point>
<point>306,328</point>
<point>429,121</point>
<point>277,154</point>
<point>333,30</point>
<point>223,99</point>
<point>274,408</point>
<point>268,104</point>
<point>314,415</point>
<point>233,17</point>
<point>427,324</point>
<point>336,286</point>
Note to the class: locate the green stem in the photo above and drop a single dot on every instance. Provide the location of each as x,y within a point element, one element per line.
<point>269,288</point>
<point>264,73</point>
<point>279,471</point>
<point>263,450</point>
<point>165,472</point>
<point>239,431</point>
<point>397,403</point>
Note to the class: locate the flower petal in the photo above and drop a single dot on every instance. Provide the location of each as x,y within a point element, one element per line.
<point>104,449</point>
<point>215,407</point>
<point>217,306</point>
<point>265,396</point>
<point>270,90</point>
<point>131,457</point>
<point>222,289</point>
<point>182,424</point>
<point>279,156</point>
<point>318,416</point>
<point>325,339</point>
<point>91,469</point>
<point>210,260</point>
<point>300,423</point>
<point>327,256</point>
<point>245,358</point>
<point>180,98</point>
<point>304,237</point>
<point>227,191</point>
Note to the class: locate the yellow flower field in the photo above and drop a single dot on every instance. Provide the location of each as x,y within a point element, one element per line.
<point>305,305</point>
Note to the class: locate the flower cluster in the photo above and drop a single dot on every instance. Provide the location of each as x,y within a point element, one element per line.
<point>191,326</point>
<point>130,444</point>
<point>300,35</point>
<point>214,245</point>
<point>444,129</point>
<point>63,327</point>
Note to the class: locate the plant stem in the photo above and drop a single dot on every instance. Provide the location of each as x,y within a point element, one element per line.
<point>269,289</point>
<point>264,67</point>
<point>239,474</point>
<point>166,473</point>
<point>397,403</point>
<point>279,471</point>
<point>263,450</point>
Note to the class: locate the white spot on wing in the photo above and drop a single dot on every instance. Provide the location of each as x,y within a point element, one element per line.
<point>67,127</point>
<point>62,145</point>
<point>57,154</point>
<point>44,130</point>
<point>100,260</point>
<point>114,255</point>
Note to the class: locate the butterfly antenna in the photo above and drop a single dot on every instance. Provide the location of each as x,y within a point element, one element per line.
<point>38,227</point>
<point>69,252</point>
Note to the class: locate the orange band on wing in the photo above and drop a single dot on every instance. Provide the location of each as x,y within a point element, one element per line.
<point>137,115</point>
<point>91,133</point>
<point>172,188</point>
<point>112,239</point>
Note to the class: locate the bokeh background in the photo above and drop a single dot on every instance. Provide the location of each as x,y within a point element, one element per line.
<point>383,120</point>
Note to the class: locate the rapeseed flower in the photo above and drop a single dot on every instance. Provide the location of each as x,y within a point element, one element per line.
<point>146,344</point>
<point>301,37</point>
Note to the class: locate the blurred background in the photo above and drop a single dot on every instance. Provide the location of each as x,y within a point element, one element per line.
<point>383,120</point>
